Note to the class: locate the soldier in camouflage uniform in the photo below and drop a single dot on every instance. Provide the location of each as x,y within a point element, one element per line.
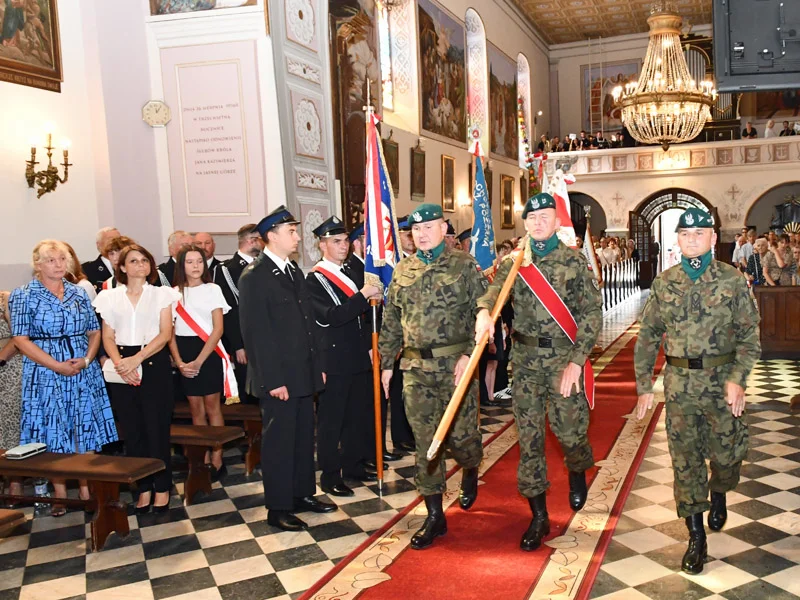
<point>429,309</point>
<point>547,365</point>
<point>712,343</point>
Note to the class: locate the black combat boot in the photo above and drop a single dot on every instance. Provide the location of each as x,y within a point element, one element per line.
<point>577,490</point>
<point>718,513</point>
<point>434,525</point>
<point>697,552</point>
<point>540,524</point>
<point>469,488</point>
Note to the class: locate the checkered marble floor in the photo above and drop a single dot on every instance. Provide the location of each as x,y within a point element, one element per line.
<point>757,554</point>
<point>220,547</point>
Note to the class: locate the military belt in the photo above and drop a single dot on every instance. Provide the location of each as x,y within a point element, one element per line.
<point>438,351</point>
<point>702,362</point>
<point>540,342</point>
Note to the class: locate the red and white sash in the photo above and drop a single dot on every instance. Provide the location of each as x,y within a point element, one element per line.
<point>554,304</point>
<point>231,388</point>
<point>337,278</point>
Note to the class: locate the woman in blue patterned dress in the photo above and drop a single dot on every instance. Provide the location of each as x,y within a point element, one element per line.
<point>64,399</point>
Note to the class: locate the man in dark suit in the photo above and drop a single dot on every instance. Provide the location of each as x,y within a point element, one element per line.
<point>227,278</point>
<point>166,270</point>
<point>285,370</point>
<point>345,405</point>
<point>355,262</point>
<point>786,130</point>
<point>100,269</point>
<point>205,240</point>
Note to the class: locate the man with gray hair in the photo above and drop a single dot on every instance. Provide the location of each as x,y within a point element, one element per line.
<point>176,240</point>
<point>100,269</point>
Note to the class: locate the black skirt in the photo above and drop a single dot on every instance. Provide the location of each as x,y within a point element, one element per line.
<point>210,379</point>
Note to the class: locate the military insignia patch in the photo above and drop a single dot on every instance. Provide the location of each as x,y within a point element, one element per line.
<point>689,219</point>
<point>417,217</point>
<point>535,204</point>
<point>695,263</point>
<point>539,245</point>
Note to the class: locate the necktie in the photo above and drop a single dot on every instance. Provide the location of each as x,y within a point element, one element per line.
<point>289,272</point>
<point>346,270</point>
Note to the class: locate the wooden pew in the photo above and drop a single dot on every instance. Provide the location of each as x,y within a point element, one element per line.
<point>10,520</point>
<point>196,440</point>
<point>249,415</point>
<point>104,474</point>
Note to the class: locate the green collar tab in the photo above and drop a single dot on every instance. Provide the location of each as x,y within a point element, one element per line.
<point>543,248</point>
<point>695,267</point>
<point>428,256</point>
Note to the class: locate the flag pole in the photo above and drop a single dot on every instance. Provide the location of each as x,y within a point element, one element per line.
<point>376,359</point>
<point>461,388</point>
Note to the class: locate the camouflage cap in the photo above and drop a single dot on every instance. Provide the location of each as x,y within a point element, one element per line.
<point>695,218</point>
<point>538,202</point>
<point>424,213</point>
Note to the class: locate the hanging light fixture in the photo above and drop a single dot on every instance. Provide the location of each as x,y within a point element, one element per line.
<point>666,105</point>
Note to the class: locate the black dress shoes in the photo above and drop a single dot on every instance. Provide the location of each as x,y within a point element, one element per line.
<point>285,520</point>
<point>406,446</point>
<point>719,511</point>
<point>577,490</point>
<point>311,504</point>
<point>697,552</point>
<point>363,475</point>
<point>337,489</point>
<point>391,456</point>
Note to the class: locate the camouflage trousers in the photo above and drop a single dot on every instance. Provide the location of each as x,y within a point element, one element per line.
<point>700,426</point>
<point>536,398</point>
<point>425,395</point>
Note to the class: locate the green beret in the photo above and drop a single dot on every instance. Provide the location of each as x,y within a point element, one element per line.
<point>424,213</point>
<point>538,202</point>
<point>695,217</point>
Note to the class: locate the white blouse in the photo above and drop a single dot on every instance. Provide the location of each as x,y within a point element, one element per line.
<point>134,326</point>
<point>199,301</point>
<point>88,288</point>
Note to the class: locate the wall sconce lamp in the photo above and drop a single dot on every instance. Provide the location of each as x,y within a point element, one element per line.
<point>47,179</point>
<point>464,199</point>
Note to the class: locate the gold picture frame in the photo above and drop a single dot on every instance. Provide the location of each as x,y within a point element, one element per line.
<point>506,202</point>
<point>30,52</point>
<point>448,183</point>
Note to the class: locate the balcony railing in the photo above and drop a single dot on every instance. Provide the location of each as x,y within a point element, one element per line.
<point>620,281</point>
<point>680,157</point>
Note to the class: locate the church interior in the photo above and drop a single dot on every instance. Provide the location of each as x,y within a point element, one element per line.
<point>618,108</point>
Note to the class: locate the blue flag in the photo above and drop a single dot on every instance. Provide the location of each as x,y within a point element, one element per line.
<point>382,252</point>
<point>482,246</point>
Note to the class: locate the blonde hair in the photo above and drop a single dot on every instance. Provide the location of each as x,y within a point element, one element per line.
<point>44,250</point>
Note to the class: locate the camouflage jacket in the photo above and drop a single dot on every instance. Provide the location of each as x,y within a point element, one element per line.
<point>568,273</point>
<point>711,316</point>
<point>429,306</point>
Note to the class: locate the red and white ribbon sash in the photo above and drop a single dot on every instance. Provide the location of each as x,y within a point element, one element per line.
<point>340,280</point>
<point>231,388</point>
<point>554,304</point>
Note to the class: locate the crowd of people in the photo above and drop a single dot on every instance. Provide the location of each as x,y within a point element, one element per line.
<point>769,259</point>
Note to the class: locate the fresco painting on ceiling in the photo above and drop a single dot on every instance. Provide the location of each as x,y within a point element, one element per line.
<point>775,105</point>
<point>169,7</point>
<point>503,103</point>
<point>30,50</point>
<point>442,77</point>
<point>597,85</point>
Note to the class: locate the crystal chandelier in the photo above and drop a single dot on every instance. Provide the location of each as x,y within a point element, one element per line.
<point>666,105</point>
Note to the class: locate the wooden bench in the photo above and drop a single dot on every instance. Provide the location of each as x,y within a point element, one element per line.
<point>104,475</point>
<point>196,440</point>
<point>10,520</point>
<point>249,415</point>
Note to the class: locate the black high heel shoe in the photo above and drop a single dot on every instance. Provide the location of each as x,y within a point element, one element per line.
<point>143,510</point>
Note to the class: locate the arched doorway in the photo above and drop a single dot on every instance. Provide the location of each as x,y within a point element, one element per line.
<point>597,216</point>
<point>647,216</point>
<point>762,211</point>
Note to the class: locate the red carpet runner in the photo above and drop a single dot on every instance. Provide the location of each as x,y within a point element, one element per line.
<point>480,552</point>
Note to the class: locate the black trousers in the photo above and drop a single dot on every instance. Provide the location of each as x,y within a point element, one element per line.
<point>401,430</point>
<point>343,420</point>
<point>145,414</point>
<point>240,371</point>
<point>287,450</point>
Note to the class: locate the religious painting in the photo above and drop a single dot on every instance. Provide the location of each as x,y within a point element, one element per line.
<point>503,121</point>
<point>506,202</point>
<point>169,7</point>
<point>448,183</point>
<point>30,48</point>
<point>442,76</point>
<point>417,174</point>
<point>391,154</point>
<point>781,105</point>
<point>598,110</point>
